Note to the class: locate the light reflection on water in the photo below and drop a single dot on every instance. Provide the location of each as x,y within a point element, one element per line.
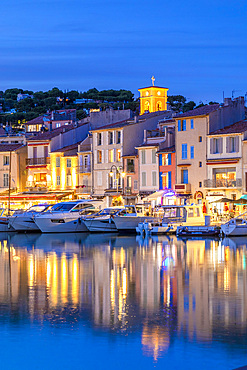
<point>162,294</point>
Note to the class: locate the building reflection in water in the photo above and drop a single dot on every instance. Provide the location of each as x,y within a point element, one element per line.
<point>160,287</point>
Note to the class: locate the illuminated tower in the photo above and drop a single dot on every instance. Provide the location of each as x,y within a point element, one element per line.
<point>153,98</point>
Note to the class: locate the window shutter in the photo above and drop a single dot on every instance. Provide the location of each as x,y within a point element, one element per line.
<point>169,159</point>
<point>154,183</point>
<point>179,125</point>
<point>160,181</point>
<point>102,137</point>
<point>211,146</point>
<point>169,180</point>
<point>184,124</point>
<point>106,156</point>
<point>114,155</point>
<point>95,139</point>
<point>227,145</point>
<point>237,143</point>
<point>103,156</point>
<point>221,145</point>
<point>107,181</point>
<point>160,159</point>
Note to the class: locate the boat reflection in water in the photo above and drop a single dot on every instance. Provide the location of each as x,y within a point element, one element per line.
<point>161,290</point>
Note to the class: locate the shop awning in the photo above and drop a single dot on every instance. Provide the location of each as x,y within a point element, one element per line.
<point>223,200</point>
<point>34,196</point>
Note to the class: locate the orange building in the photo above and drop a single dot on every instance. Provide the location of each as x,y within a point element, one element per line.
<point>153,98</point>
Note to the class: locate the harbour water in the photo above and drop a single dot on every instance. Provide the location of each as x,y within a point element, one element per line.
<point>90,301</point>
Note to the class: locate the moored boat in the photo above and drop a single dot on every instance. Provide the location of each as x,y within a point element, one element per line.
<point>25,221</point>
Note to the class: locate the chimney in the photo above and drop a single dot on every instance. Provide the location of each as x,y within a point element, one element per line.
<point>227,101</point>
<point>136,119</point>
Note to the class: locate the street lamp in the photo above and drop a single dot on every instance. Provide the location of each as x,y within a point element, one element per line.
<point>119,173</point>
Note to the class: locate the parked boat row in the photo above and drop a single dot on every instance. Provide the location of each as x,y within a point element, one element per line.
<point>92,215</point>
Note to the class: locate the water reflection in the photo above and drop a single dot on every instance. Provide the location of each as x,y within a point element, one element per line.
<point>161,287</point>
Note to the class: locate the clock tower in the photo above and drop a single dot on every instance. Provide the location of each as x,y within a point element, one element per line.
<point>153,98</point>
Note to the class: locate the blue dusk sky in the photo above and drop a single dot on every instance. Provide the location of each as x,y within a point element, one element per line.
<point>195,48</point>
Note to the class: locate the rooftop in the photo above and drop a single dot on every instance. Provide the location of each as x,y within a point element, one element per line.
<point>235,128</point>
<point>9,147</point>
<point>202,111</point>
<point>48,135</point>
<point>69,150</point>
<point>170,149</point>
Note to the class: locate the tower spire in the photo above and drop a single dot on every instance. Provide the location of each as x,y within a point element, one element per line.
<point>153,79</point>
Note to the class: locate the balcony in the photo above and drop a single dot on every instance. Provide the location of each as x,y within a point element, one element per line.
<point>223,183</point>
<point>130,169</point>
<point>83,189</point>
<point>38,161</point>
<point>84,169</point>
<point>182,188</point>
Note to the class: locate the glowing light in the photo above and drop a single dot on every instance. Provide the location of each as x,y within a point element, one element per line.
<point>64,278</point>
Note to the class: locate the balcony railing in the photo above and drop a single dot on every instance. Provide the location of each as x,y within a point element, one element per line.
<point>84,169</point>
<point>223,183</point>
<point>82,189</point>
<point>37,161</point>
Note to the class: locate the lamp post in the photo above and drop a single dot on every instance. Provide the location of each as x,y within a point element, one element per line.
<point>119,173</point>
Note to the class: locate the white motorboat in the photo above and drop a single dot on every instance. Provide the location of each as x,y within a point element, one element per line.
<point>174,216</point>
<point>131,216</point>
<point>65,216</point>
<point>4,221</point>
<point>103,221</point>
<point>236,226</point>
<point>25,221</point>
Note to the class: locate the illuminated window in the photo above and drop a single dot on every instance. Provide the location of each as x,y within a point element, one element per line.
<point>5,160</point>
<point>68,162</point>
<point>118,155</point>
<point>111,155</point>
<point>58,125</point>
<point>159,106</point>
<point>99,156</point>
<point>57,161</point>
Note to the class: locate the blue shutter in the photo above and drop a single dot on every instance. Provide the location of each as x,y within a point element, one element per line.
<point>160,159</point>
<point>179,125</point>
<point>160,181</point>
<point>169,159</point>
<point>192,152</point>
<point>184,125</point>
<point>192,123</point>
<point>185,176</point>
<point>169,180</point>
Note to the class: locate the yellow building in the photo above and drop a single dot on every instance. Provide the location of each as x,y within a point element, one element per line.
<point>64,165</point>
<point>153,98</point>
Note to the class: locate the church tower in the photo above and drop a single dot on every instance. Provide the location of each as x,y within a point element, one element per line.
<point>153,98</point>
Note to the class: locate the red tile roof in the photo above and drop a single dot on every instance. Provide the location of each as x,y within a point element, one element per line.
<point>202,111</point>
<point>235,128</point>
<point>38,120</point>
<point>67,148</point>
<point>48,135</point>
<point>9,147</point>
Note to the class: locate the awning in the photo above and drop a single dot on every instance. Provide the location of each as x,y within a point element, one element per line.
<point>223,200</point>
<point>160,194</point>
<point>34,196</point>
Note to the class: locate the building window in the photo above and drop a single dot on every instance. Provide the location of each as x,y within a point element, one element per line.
<point>153,155</point>
<point>110,137</point>
<point>192,124</point>
<point>184,125</point>
<point>200,164</point>
<point>58,124</point>
<point>99,156</point>
<point>6,160</point>
<point>85,160</point>
<point>154,178</point>
<point>58,181</point>
<point>99,138</point>
<point>184,151</point>
<point>5,179</point>
<point>130,165</point>
<point>166,159</point>
<point>68,162</point>
<point>118,155</point>
<point>184,176</point>
<point>143,156</point>
<point>135,184</point>
<point>57,161</point>
<point>118,137</point>
<point>200,139</point>
<point>68,180</point>
<point>129,178</point>
<point>200,184</point>
<point>144,179</point>
<point>111,156</point>
<point>192,152</point>
<point>225,177</point>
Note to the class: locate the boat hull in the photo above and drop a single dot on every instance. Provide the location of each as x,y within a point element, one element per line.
<point>60,225</point>
<point>234,230</point>
<point>101,225</point>
<point>23,224</point>
<point>130,223</point>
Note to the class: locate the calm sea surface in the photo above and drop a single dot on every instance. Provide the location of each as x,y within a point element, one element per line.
<point>87,301</point>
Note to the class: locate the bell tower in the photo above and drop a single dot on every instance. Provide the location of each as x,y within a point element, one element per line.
<point>153,98</point>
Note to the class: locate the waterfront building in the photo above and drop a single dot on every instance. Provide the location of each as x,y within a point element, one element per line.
<point>110,144</point>
<point>192,129</point>
<point>226,173</point>
<point>64,165</point>
<point>51,120</point>
<point>84,169</point>
<point>131,180</point>
<point>12,164</point>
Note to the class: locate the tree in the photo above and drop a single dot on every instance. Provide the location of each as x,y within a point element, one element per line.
<point>176,102</point>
